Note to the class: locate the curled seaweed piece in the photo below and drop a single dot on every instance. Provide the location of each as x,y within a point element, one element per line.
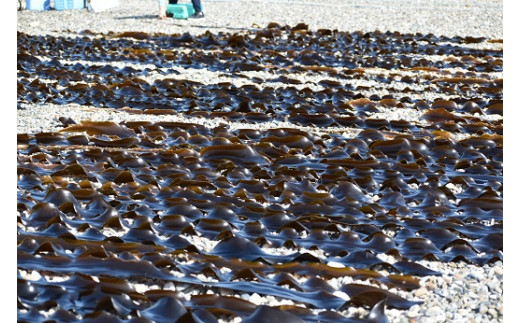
<point>377,313</point>
<point>125,142</point>
<point>166,308</point>
<point>238,248</point>
<point>363,295</point>
<point>101,128</point>
<point>235,152</point>
<point>439,115</point>
<point>264,313</point>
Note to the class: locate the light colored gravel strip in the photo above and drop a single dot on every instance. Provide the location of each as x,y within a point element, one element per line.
<point>34,118</point>
<point>475,18</point>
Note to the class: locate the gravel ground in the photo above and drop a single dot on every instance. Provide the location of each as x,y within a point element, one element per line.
<point>463,293</point>
<point>448,18</point>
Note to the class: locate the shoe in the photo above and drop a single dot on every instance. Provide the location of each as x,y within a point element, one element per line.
<point>197,15</point>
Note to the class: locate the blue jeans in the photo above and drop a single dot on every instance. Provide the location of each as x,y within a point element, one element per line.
<point>196,4</point>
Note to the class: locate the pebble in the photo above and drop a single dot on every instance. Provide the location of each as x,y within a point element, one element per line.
<point>421,292</point>
<point>456,290</point>
<point>352,311</point>
<point>413,312</point>
<point>495,285</point>
<point>499,271</point>
<point>463,312</point>
<point>434,311</point>
<point>255,299</point>
<point>477,274</point>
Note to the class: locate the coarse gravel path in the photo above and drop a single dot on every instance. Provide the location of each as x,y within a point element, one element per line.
<point>449,18</point>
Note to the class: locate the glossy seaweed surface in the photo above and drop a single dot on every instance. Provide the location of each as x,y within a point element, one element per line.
<point>104,207</point>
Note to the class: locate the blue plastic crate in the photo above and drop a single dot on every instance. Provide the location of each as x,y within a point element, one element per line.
<point>69,4</point>
<point>38,4</point>
<point>181,10</point>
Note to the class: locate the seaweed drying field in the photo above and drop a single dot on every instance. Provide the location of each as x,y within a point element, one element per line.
<point>317,172</point>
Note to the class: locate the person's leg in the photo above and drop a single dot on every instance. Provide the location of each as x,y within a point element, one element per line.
<point>196,5</point>
<point>162,9</point>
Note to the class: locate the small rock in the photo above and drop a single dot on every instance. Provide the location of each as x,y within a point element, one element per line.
<point>352,311</point>
<point>34,276</point>
<point>414,311</point>
<point>472,295</point>
<point>495,285</point>
<point>483,291</point>
<point>453,307</point>
<point>433,311</point>
<point>443,292</point>
<point>463,312</point>
<point>255,299</point>
<point>431,285</point>
<point>478,275</point>
<point>456,290</point>
<point>420,292</point>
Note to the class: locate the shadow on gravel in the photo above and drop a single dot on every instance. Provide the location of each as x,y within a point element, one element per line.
<point>217,27</point>
<point>137,17</point>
